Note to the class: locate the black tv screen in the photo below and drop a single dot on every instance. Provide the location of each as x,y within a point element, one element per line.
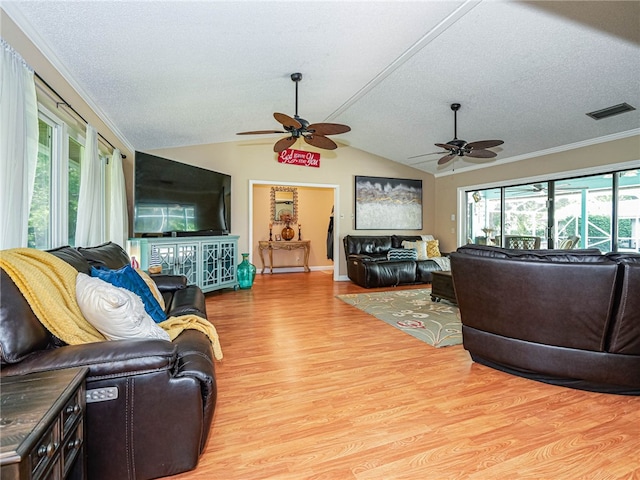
<point>174,198</point>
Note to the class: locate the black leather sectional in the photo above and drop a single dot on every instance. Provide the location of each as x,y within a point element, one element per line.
<point>367,263</point>
<point>566,317</point>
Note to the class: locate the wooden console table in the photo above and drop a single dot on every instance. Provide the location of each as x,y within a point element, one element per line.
<point>284,245</point>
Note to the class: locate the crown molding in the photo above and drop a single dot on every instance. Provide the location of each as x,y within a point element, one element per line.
<point>13,10</point>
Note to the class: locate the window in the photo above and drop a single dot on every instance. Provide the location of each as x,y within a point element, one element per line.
<point>628,211</point>
<point>76,151</point>
<point>484,214</point>
<point>598,211</point>
<point>54,206</point>
<point>525,211</point>
<point>40,211</point>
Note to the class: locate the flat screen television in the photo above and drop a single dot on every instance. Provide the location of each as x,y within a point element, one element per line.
<point>176,199</point>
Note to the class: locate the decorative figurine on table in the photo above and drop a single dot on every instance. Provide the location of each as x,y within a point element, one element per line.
<point>287,232</point>
<point>299,234</point>
<point>270,235</point>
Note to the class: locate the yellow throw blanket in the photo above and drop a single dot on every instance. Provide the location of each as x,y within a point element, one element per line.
<point>49,286</point>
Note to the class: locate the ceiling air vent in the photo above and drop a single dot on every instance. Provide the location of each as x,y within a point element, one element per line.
<point>611,111</point>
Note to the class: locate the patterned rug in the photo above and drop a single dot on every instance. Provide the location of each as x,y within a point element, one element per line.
<point>413,312</point>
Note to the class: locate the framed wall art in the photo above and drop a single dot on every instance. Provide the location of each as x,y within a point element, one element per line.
<point>388,203</point>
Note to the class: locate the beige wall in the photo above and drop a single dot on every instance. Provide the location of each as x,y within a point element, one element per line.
<point>626,150</point>
<point>254,160</point>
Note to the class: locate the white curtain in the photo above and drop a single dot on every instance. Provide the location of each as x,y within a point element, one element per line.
<point>90,205</point>
<point>18,146</point>
<point>118,216</point>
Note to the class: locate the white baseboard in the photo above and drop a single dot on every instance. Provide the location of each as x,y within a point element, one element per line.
<point>297,269</point>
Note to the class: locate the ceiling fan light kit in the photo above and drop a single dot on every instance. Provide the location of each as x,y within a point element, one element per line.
<point>460,148</point>
<point>314,134</point>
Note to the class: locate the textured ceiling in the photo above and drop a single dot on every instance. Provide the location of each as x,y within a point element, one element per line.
<point>176,73</point>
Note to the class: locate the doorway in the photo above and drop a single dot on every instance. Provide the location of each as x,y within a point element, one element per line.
<point>315,202</point>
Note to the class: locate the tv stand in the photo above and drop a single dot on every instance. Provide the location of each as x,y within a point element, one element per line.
<point>207,261</point>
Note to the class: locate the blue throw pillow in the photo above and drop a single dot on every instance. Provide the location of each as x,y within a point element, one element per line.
<point>126,277</point>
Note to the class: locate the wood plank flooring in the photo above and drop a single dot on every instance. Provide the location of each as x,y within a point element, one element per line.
<point>312,388</point>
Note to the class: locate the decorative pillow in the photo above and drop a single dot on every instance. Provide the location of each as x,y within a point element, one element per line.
<point>126,277</point>
<point>419,246</point>
<point>402,254</point>
<point>115,312</point>
<point>426,238</point>
<point>153,287</point>
<point>433,248</point>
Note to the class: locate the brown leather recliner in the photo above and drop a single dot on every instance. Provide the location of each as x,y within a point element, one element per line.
<point>166,391</point>
<point>567,317</point>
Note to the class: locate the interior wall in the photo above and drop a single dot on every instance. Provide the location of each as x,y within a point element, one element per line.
<point>312,202</point>
<point>626,150</point>
<point>254,160</point>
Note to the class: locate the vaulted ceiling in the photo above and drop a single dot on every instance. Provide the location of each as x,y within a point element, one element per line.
<point>175,73</point>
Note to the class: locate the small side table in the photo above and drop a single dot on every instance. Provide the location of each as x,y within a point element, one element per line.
<point>42,425</point>
<point>284,245</point>
<point>442,287</point>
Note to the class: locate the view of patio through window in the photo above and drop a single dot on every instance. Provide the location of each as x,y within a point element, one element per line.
<point>598,211</point>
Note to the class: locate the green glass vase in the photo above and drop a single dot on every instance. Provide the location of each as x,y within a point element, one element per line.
<point>246,272</point>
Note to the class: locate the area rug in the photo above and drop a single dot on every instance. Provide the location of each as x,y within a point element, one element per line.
<point>413,312</point>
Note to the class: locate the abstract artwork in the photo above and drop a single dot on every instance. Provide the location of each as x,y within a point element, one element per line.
<point>388,203</point>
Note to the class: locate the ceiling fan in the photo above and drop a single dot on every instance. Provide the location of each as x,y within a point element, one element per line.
<point>314,133</point>
<point>461,148</point>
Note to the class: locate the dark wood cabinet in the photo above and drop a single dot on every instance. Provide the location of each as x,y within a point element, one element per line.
<point>42,426</point>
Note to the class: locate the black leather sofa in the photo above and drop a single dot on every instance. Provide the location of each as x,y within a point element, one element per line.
<point>367,263</point>
<point>159,423</point>
<point>566,317</point>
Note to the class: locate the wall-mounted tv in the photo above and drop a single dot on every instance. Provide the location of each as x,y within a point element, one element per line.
<point>173,198</point>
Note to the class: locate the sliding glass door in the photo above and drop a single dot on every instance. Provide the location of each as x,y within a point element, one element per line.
<point>628,211</point>
<point>526,212</point>
<point>584,209</point>
<point>598,211</point>
<point>484,217</point>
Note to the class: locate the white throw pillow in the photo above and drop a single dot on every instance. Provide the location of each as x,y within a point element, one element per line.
<point>419,246</point>
<point>115,312</point>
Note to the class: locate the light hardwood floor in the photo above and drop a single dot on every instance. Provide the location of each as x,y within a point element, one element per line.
<point>312,388</point>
